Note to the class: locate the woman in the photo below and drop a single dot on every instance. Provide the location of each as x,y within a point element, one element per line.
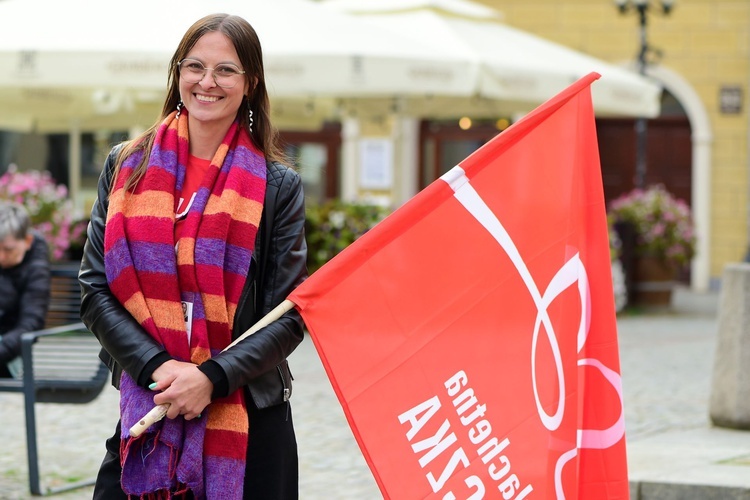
<point>198,232</point>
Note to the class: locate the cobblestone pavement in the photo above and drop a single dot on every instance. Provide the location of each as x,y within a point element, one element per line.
<point>666,359</point>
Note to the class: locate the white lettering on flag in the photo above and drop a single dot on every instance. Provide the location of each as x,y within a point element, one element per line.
<point>573,271</point>
<point>491,450</point>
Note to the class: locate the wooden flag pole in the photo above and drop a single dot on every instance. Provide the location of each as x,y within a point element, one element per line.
<point>159,411</point>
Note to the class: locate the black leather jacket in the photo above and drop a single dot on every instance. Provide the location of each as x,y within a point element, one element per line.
<point>278,266</point>
<point>24,297</point>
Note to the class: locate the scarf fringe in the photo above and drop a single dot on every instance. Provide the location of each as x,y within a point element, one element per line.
<point>180,490</point>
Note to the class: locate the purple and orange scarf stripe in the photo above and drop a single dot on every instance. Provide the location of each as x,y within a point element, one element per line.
<point>151,274</point>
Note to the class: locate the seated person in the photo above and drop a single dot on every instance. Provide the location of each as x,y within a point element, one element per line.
<point>24,283</point>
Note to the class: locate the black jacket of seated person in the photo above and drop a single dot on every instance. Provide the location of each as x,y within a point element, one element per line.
<point>24,299</point>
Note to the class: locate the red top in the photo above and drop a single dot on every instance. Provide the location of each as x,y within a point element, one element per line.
<point>194,174</point>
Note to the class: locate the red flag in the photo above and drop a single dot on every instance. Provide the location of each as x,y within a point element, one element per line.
<point>471,335</point>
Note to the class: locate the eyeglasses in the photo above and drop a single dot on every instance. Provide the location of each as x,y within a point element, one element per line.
<point>225,75</point>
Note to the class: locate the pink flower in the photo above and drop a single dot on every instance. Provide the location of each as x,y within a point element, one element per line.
<point>52,212</point>
<point>663,224</point>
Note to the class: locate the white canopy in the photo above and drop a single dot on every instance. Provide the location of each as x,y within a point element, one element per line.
<point>102,61</point>
<point>508,64</point>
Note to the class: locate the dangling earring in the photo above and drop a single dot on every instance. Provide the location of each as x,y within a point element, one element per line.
<point>179,109</point>
<point>250,121</point>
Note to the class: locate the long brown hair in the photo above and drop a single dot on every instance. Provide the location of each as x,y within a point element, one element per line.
<point>246,43</point>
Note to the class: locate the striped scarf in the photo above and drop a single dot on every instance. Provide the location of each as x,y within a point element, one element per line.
<point>152,277</point>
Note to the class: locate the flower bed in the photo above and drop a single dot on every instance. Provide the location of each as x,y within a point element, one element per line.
<point>52,212</point>
<point>663,225</point>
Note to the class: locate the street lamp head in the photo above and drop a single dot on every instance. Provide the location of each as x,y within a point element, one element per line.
<point>641,5</point>
<point>625,5</point>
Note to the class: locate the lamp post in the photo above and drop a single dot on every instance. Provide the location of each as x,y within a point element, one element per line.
<point>642,9</point>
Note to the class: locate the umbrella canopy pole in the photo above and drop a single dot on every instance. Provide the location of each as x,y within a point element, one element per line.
<point>74,162</point>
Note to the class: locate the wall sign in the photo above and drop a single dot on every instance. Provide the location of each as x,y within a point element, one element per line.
<point>730,99</point>
<point>376,163</point>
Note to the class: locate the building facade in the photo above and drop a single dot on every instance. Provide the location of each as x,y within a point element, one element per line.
<point>700,53</point>
<point>385,151</point>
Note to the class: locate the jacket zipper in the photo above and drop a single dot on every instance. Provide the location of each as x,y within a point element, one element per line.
<point>287,391</point>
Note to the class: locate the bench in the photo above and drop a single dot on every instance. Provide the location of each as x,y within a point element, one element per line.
<point>60,364</point>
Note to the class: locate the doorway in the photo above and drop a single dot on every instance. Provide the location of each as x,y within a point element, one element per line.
<point>668,155</point>
<point>444,144</point>
<point>316,156</point>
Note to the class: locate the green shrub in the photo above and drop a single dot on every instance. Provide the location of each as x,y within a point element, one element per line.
<point>334,225</point>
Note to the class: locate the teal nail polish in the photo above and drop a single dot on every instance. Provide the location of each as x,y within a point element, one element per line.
<point>152,386</point>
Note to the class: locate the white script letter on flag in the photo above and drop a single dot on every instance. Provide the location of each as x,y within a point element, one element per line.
<point>471,336</point>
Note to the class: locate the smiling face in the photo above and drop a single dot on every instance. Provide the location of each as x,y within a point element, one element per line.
<point>211,107</point>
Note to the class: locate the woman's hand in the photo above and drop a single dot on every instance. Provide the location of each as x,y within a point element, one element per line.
<point>184,387</point>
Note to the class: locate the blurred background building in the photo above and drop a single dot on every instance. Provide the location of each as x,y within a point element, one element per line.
<point>698,145</point>
<point>384,147</point>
